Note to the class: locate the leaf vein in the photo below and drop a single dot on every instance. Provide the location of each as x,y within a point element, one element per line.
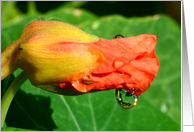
<point>92,113</point>
<point>109,117</point>
<point>71,113</point>
<point>36,124</point>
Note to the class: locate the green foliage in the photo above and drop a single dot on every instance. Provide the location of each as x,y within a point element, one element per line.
<point>14,129</point>
<point>158,109</point>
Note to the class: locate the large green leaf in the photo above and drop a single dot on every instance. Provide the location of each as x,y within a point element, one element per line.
<point>14,129</point>
<point>9,11</point>
<point>70,15</point>
<point>158,109</point>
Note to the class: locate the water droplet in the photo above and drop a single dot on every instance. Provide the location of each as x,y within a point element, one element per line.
<point>77,12</point>
<point>75,82</point>
<point>95,25</point>
<point>164,107</point>
<point>156,17</point>
<point>87,80</point>
<point>118,36</point>
<point>84,84</point>
<point>125,99</point>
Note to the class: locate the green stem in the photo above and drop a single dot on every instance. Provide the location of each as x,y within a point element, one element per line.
<point>10,93</point>
<point>32,7</point>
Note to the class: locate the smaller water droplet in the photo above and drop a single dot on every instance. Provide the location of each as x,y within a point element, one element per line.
<point>164,107</point>
<point>77,12</point>
<point>73,83</point>
<point>83,83</point>
<point>95,25</point>
<point>118,36</point>
<point>126,99</point>
<point>156,17</point>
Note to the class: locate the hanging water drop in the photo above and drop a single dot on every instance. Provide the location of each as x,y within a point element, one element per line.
<point>87,80</point>
<point>83,83</point>
<point>125,99</point>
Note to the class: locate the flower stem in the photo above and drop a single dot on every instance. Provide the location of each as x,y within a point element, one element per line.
<point>10,93</point>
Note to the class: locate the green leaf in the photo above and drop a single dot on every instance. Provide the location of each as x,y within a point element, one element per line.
<point>168,79</point>
<point>14,129</point>
<point>9,10</point>
<point>74,4</point>
<point>158,109</point>
<point>70,15</point>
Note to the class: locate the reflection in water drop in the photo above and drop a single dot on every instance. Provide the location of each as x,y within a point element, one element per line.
<point>87,80</point>
<point>84,84</point>
<point>125,99</point>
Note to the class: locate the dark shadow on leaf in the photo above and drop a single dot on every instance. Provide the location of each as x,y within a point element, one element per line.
<point>30,112</point>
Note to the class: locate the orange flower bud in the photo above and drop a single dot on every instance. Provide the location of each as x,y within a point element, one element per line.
<point>130,63</point>
<point>59,57</point>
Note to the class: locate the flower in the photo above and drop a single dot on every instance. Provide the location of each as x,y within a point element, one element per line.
<point>130,63</point>
<point>61,58</point>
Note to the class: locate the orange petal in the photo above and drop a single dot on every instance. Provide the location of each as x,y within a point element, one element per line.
<point>130,63</point>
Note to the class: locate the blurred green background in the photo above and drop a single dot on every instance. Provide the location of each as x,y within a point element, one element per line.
<point>158,109</point>
<point>100,8</point>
